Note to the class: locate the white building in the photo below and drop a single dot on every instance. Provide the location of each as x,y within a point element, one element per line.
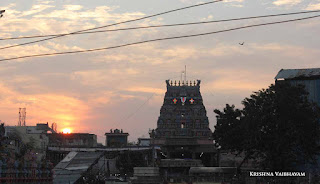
<point>143,141</point>
<point>35,135</point>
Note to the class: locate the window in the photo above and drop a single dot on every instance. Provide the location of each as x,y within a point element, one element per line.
<point>197,125</point>
<point>182,125</point>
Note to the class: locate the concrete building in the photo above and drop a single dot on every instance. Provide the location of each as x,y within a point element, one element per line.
<point>144,141</point>
<point>310,78</point>
<point>116,138</point>
<point>146,175</point>
<point>34,135</point>
<point>84,140</point>
<point>76,167</point>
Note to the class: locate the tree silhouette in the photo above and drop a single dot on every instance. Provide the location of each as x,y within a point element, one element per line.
<point>277,126</point>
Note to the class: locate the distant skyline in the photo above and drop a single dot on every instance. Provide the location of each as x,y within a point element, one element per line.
<point>124,88</point>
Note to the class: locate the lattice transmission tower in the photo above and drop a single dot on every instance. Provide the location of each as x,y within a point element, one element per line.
<point>22,117</point>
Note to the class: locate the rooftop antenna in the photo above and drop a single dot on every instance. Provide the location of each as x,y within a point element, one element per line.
<point>185,72</point>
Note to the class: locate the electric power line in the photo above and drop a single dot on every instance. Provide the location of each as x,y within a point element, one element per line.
<point>158,26</point>
<point>140,107</point>
<point>144,103</point>
<point>133,20</point>
<point>158,39</point>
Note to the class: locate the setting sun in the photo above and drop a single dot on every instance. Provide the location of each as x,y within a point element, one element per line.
<point>66,131</point>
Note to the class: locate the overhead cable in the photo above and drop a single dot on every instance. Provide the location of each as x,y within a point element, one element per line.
<point>158,26</point>
<point>158,39</point>
<point>123,22</point>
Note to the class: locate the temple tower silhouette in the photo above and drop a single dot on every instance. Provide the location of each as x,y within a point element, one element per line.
<point>183,127</point>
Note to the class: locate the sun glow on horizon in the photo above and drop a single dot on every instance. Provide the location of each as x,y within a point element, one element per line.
<point>66,131</point>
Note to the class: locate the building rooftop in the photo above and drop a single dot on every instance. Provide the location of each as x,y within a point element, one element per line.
<point>298,73</point>
<point>74,165</point>
<point>69,135</point>
<point>116,132</point>
<point>143,138</point>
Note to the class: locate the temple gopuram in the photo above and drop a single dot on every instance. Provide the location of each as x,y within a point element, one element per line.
<point>183,132</point>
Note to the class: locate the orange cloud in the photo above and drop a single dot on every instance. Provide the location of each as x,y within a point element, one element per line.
<point>231,81</point>
<point>146,90</point>
<point>286,2</point>
<point>313,6</point>
<point>64,110</point>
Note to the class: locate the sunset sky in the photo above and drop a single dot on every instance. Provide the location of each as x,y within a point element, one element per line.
<point>98,91</point>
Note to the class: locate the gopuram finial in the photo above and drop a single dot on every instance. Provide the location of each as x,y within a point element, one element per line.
<point>198,82</point>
